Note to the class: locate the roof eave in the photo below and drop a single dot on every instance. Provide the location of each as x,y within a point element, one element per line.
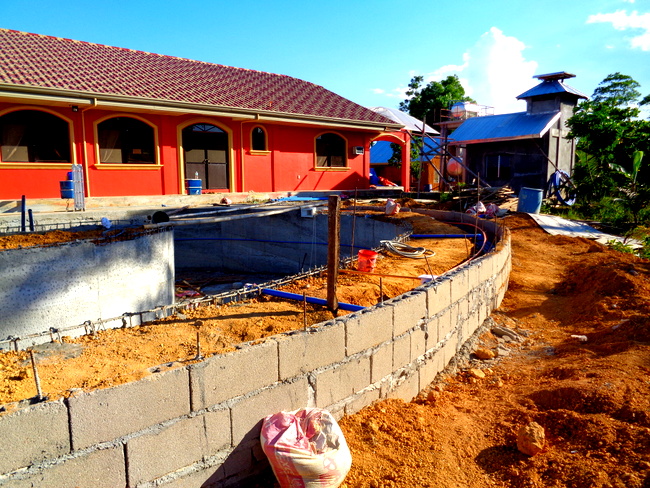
<point>72,97</point>
<point>496,139</point>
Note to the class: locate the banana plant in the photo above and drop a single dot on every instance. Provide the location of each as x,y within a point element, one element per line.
<point>634,195</point>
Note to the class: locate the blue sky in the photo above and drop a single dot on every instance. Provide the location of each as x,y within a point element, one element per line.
<point>368,51</point>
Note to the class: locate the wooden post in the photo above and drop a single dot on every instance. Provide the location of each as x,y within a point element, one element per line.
<point>333,245</point>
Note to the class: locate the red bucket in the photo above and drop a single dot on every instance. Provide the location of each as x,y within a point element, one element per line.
<point>367,260</point>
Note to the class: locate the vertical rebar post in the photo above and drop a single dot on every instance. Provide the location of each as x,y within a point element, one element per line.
<point>198,346</point>
<point>37,379</point>
<point>333,246</point>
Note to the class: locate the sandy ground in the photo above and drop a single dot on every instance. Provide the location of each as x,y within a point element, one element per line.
<point>591,398</point>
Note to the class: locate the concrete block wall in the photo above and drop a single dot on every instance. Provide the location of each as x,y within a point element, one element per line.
<point>199,425</point>
<point>66,285</point>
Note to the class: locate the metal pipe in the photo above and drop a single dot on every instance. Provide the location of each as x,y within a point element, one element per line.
<point>22,214</point>
<point>313,300</point>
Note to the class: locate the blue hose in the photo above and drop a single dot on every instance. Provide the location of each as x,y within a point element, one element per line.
<point>316,301</point>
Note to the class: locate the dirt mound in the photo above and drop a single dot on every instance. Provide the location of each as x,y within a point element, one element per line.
<point>592,397</point>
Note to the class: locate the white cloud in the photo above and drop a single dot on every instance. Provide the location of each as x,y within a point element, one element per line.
<point>621,20</point>
<point>494,71</point>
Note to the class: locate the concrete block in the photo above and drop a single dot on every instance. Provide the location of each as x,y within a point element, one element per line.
<point>240,462</point>
<point>368,328</point>
<point>408,389</point>
<point>459,284</point>
<point>418,343</point>
<point>432,333</point>
<point>247,414</point>
<point>446,322</point>
<point>365,398</point>
<point>451,347</point>
<point>226,376</point>
<point>438,297</point>
<point>217,430</point>
<point>104,415</point>
<point>462,308</point>
<point>486,269</point>
<point>381,362</point>
<point>99,469</point>
<point>473,275</point>
<point>205,478</point>
<point>35,433</point>
<point>410,308</point>
<point>173,447</point>
<point>430,369</point>
<point>401,351</point>
<point>340,382</point>
<point>305,351</point>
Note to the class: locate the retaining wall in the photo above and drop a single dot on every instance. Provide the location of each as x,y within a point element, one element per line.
<point>199,425</point>
<point>65,285</point>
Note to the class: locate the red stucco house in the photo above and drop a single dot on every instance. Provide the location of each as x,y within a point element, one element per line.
<point>141,123</point>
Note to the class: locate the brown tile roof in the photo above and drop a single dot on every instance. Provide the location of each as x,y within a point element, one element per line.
<point>55,63</point>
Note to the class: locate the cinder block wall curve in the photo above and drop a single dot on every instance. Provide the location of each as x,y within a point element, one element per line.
<point>199,425</point>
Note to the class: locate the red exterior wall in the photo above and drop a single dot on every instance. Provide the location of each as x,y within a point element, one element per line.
<point>288,165</point>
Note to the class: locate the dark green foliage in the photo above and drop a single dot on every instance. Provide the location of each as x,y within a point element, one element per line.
<point>425,102</point>
<point>611,175</point>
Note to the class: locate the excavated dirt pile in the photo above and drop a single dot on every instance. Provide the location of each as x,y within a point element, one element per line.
<point>579,367</point>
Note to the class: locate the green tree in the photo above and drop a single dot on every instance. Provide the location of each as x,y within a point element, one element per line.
<point>428,101</point>
<point>611,142</point>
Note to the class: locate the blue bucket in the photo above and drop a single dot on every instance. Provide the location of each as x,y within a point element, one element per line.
<point>193,186</point>
<point>530,200</point>
<point>67,188</point>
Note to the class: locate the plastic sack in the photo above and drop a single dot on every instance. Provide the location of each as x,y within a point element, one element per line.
<point>306,449</point>
<point>479,208</point>
<point>392,207</point>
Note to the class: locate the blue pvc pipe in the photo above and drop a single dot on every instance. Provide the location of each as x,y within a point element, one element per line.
<point>317,301</point>
<point>441,236</point>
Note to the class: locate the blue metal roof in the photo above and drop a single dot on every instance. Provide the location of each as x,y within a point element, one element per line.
<point>549,87</point>
<point>381,152</point>
<point>505,127</point>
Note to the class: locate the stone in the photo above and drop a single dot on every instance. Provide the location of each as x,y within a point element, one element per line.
<point>477,373</point>
<point>531,438</point>
<point>484,353</point>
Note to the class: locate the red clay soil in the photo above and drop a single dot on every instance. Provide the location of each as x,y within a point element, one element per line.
<point>592,398</point>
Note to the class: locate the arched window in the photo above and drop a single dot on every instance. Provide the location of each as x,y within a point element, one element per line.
<point>258,139</point>
<point>125,140</point>
<point>330,151</point>
<point>34,136</point>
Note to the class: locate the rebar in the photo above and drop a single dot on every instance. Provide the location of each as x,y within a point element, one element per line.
<point>37,379</point>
